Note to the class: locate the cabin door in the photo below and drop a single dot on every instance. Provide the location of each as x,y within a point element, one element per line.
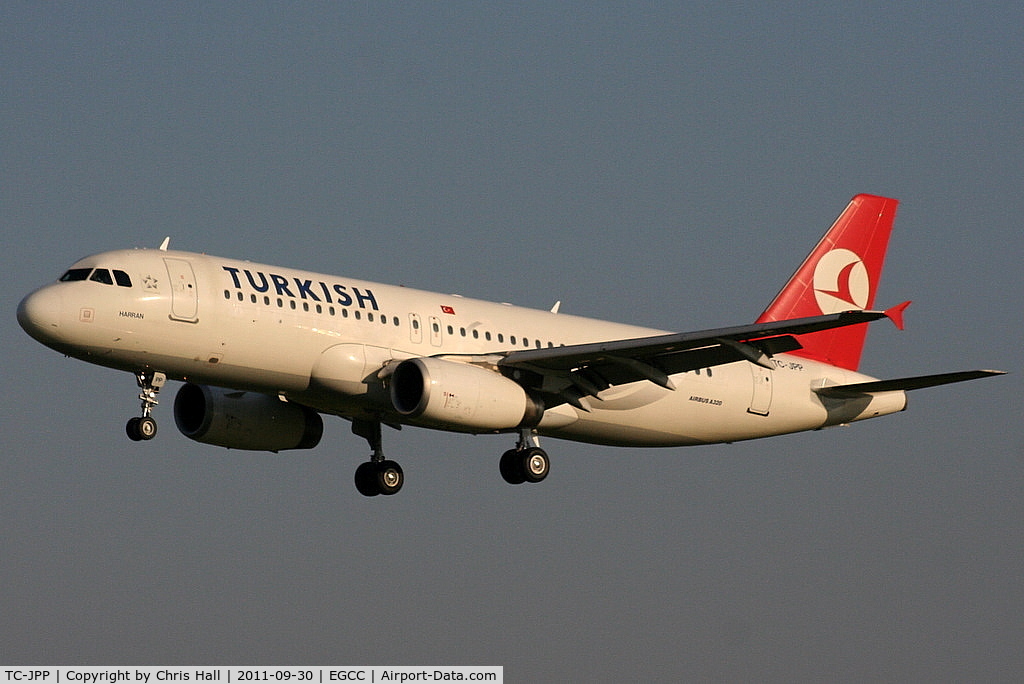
<point>184,298</point>
<point>761,398</point>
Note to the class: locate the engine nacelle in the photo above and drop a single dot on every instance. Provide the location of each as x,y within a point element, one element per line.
<point>244,420</point>
<point>460,396</point>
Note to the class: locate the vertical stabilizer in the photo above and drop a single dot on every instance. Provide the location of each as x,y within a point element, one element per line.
<point>840,274</point>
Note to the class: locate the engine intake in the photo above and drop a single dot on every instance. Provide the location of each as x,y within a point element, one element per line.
<point>460,396</point>
<point>244,420</point>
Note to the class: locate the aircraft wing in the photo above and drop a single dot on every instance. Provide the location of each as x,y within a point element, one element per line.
<point>919,382</point>
<point>580,370</point>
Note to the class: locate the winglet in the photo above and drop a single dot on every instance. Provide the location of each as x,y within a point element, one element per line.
<point>895,314</point>
<point>165,243</point>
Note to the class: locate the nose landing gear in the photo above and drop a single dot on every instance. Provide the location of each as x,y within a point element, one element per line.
<point>143,428</point>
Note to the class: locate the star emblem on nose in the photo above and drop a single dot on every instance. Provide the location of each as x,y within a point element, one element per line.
<point>150,282</point>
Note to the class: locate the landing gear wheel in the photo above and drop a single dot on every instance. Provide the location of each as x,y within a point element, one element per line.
<point>366,479</point>
<point>141,429</point>
<point>379,477</point>
<point>389,477</point>
<point>146,428</point>
<point>511,467</point>
<point>535,464</point>
<point>132,429</point>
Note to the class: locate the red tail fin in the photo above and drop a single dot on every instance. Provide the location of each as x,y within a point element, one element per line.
<point>840,274</point>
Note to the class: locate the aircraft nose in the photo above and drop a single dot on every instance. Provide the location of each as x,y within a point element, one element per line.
<point>39,314</point>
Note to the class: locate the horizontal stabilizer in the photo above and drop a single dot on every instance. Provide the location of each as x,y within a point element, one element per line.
<point>919,382</point>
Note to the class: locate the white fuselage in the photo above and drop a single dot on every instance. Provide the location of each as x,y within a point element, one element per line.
<point>322,341</point>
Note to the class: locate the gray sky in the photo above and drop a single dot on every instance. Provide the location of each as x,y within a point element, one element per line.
<point>664,167</point>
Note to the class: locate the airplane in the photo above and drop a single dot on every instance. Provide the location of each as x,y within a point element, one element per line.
<point>264,350</point>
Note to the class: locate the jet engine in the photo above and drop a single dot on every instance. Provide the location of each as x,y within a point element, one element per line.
<point>460,396</point>
<point>244,420</point>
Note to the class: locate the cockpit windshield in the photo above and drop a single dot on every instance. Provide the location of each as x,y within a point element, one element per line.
<point>102,275</point>
<point>76,274</point>
<point>98,275</point>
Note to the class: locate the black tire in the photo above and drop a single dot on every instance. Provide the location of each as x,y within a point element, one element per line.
<point>131,428</point>
<point>366,479</point>
<point>535,464</point>
<point>511,467</point>
<point>390,477</point>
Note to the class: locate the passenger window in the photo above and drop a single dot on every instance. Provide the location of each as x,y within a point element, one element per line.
<point>122,279</point>
<point>102,275</point>
<point>76,274</point>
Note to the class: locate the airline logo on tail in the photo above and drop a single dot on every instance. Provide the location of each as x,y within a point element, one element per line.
<point>840,274</point>
<point>841,282</point>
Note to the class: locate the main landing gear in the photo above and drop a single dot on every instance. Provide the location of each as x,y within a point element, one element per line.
<point>527,462</point>
<point>143,428</point>
<point>378,475</point>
